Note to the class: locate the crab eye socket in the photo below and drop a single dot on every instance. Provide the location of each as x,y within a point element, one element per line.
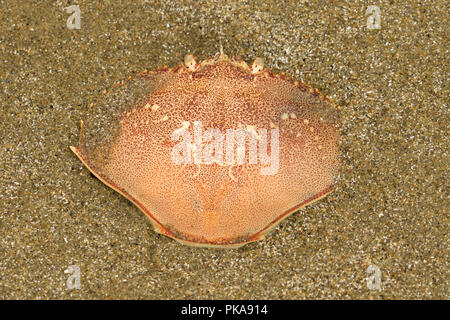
<point>258,65</point>
<point>189,62</point>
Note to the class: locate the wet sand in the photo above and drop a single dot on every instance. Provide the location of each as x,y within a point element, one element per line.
<point>389,207</point>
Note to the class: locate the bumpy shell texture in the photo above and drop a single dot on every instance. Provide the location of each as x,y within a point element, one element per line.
<point>127,141</point>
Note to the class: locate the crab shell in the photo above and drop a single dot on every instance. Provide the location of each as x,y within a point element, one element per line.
<point>127,142</point>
